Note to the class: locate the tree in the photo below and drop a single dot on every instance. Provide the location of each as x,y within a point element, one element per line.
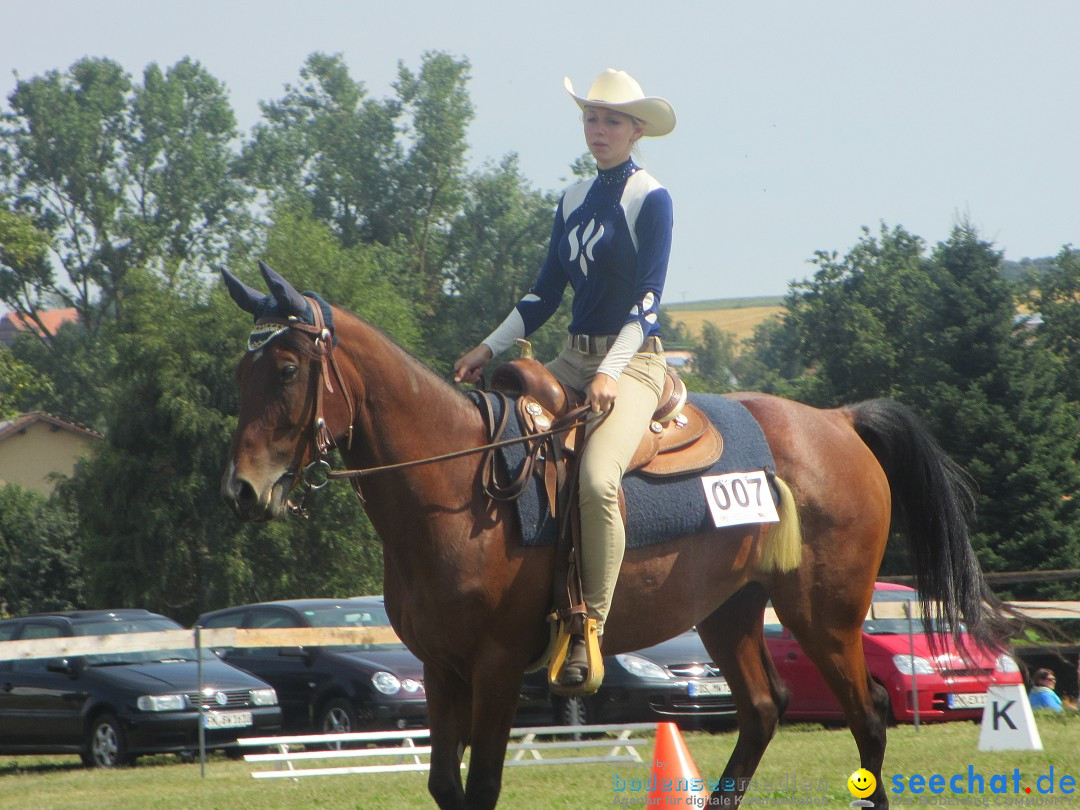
<point>339,148</point>
<point>21,386</point>
<point>1054,295</point>
<point>937,333</point>
<point>432,178</point>
<point>149,513</point>
<point>390,172</point>
<point>493,253</point>
<point>117,176</point>
<point>39,554</point>
<point>25,271</point>
<point>714,361</point>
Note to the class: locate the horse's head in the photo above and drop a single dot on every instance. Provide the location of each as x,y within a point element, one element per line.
<point>281,427</point>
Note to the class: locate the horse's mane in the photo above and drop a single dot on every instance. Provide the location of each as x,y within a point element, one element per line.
<point>420,369</point>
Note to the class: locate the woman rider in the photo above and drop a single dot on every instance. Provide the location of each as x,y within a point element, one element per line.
<point>610,242</point>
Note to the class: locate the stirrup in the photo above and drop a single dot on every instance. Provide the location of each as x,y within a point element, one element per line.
<point>594,676</point>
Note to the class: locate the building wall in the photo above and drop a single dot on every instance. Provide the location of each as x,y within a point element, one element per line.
<point>31,456</point>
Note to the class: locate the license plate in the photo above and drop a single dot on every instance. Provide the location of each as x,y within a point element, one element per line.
<point>970,701</point>
<point>227,719</point>
<point>701,688</point>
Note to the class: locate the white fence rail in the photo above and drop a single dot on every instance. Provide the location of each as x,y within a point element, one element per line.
<point>533,748</point>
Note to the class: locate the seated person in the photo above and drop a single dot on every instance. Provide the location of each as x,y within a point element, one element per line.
<point>1042,694</point>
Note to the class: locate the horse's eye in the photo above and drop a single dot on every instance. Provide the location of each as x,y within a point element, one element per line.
<point>289,372</point>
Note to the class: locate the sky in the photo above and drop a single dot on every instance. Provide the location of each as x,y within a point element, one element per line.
<point>799,122</point>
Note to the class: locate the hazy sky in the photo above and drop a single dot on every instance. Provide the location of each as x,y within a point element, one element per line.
<point>798,122</point>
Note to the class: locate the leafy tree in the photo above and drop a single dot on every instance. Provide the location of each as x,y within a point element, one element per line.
<point>937,332</point>
<point>335,145</point>
<point>1055,296</point>
<point>119,177</point>
<point>361,278</point>
<point>714,361</point>
<point>149,512</point>
<point>25,272</point>
<point>494,251</point>
<point>39,559</point>
<point>21,386</point>
<point>432,178</point>
<point>771,361</point>
<point>68,377</point>
<point>390,172</point>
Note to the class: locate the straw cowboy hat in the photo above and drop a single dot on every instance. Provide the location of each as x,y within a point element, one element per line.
<point>617,90</point>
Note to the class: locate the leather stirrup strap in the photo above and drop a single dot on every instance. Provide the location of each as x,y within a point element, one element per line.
<point>570,605</point>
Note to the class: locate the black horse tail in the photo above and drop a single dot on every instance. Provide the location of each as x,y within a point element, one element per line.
<point>934,506</point>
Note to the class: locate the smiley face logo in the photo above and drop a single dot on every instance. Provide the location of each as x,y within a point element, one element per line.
<point>861,783</point>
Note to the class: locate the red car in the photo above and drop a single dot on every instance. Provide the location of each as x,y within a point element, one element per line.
<point>948,686</point>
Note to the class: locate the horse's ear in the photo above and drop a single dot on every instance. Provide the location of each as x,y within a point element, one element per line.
<point>292,302</point>
<point>246,298</point>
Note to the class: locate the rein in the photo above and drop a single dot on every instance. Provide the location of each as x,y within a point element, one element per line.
<point>318,474</point>
<point>565,423</point>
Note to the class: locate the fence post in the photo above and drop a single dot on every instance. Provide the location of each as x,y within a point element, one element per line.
<point>202,726</point>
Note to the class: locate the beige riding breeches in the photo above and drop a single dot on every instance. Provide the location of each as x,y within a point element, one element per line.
<point>608,451</point>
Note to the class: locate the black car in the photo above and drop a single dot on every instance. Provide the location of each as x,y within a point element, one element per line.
<point>111,707</point>
<point>674,680</point>
<point>330,689</point>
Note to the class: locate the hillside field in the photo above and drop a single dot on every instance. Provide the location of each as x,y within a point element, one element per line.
<point>737,315</point>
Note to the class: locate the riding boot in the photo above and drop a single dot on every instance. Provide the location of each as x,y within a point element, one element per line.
<point>576,668</point>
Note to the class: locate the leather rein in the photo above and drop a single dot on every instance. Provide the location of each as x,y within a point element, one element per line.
<point>318,473</point>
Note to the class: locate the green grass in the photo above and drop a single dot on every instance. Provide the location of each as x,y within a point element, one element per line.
<point>811,756</point>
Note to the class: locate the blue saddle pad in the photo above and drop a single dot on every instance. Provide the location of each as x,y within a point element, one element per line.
<point>657,509</point>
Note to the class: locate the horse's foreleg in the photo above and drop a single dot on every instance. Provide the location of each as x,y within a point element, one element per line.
<point>734,638</point>
<point>495,693</point>
<point>449,701</point>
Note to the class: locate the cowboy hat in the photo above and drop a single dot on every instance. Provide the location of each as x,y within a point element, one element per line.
<point>617,90</point>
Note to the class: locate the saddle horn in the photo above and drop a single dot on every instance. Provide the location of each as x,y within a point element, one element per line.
<point>290,301</point>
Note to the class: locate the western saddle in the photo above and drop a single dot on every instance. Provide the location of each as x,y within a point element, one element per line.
<point>680,440</point>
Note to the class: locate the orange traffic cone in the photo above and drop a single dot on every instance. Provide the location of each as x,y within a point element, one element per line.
<point>675,779</point>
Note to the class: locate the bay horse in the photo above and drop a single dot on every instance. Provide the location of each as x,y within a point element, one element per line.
<point>469,599</point>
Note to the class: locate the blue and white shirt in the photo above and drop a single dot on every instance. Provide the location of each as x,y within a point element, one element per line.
<point>610,241</point>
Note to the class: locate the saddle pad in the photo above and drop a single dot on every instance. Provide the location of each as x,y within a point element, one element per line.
<point>657,509</point>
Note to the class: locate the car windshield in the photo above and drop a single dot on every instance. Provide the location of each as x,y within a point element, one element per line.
<point>148,624</point>
<point>354,616</point>
<point>880,624</point>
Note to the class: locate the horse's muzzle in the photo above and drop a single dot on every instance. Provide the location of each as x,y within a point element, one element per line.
<point>250,504</point>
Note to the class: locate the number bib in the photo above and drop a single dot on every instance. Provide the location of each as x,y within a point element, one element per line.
<point>738,498</point>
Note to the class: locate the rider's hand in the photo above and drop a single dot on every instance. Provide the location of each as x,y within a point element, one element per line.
<point>469,366</point>
<point>601,393</point>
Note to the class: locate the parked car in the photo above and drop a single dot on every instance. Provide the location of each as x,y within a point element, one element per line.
<point>330,689</point>
<point>111,707</point>
<point>949,685</point>
<point>674,680</point>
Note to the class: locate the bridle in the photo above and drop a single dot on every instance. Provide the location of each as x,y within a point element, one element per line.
<point>323,341</point>
<point>318,473</point>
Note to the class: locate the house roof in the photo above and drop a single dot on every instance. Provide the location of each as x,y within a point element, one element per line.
<point>52,319</point>
<point>9,427</point>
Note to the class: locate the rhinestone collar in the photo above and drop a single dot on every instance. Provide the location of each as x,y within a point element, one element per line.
<point>617,175</point>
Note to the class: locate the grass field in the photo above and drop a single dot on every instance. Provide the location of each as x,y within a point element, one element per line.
<point>805,762</point>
